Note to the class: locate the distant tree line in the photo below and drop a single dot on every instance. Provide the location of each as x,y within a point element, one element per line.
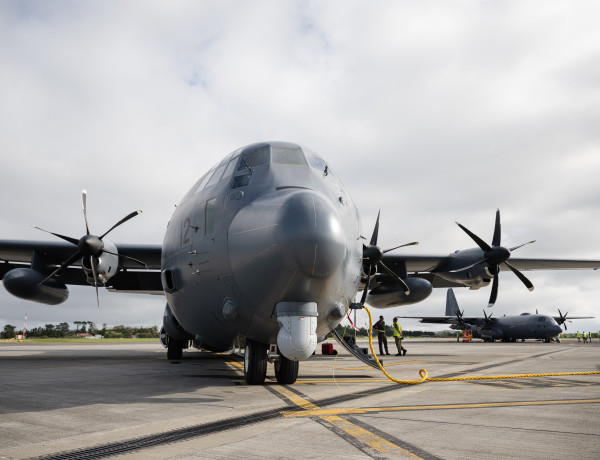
<point>63,330</point>
<point>389,331</point>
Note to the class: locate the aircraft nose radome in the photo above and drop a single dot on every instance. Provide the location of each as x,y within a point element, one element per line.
<point>311,234</point>
<point>286,232</point>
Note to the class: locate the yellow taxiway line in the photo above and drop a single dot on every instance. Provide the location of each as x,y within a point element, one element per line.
<point>365,410</point>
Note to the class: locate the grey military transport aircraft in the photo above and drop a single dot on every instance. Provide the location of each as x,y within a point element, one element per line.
<point>265,248</point>
<point>504,328</point>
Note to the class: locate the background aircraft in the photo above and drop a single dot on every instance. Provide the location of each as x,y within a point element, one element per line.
<point>505,328</point>
<point>266,248</point>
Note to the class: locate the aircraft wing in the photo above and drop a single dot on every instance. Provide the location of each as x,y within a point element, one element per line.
<point>552,264</point>
<point>135,277</point>
<point>419,264</point>
<point>445,319</point>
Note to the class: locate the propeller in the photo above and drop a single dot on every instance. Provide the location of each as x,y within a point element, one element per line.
<point>496,255</point>
<point>89,246</point>
<point>488,319</point>
<point>563,319</point>
<point>372,255</point>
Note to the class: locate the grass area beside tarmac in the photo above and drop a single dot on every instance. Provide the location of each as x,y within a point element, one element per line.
<point>74,340</point>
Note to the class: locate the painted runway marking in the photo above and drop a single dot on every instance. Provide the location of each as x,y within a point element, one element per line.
<point>365,410</point>
<point>364,436</point>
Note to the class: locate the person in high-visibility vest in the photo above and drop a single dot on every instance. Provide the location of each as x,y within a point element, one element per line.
<point>578,337</point>
<point>379,326</point>
<point>398,338</point>
<point>584,337</point>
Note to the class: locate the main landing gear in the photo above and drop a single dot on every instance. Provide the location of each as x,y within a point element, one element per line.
<point>255,365</point>
<point>255,362</point>
<point>286,370</point>
<point>175,348</point>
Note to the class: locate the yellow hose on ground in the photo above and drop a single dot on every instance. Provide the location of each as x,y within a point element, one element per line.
<point>424,375</point>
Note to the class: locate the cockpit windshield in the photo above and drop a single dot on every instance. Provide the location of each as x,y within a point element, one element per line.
<point>288,156</point>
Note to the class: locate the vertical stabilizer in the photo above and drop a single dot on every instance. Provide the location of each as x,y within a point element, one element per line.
<point>451,304</point>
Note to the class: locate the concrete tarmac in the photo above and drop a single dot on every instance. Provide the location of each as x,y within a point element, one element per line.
<point>127,400</point>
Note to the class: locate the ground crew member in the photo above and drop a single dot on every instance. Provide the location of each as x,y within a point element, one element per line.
<point>398,338</point>
<point>590,337</point>
<point>578,337</point>
<point>584,337</point>
<point>379,326</point>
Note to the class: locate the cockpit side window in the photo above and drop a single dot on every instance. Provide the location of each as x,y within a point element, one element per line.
<point>288,156</point>
<point>240,181</point>
<point>316,162</point>
<point>230,167</point>
<point>204,180</point>
<point>217,175</point>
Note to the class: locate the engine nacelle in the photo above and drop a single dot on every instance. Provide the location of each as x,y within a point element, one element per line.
<point>474,277</point>
<point>392,296</point>
<point>107,265</point>
<point>25,284</point>
<point>172,328</point>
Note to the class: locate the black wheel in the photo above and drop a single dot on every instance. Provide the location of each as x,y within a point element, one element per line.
<point>174,349</point>
<point>255,362</point>
<point>286,370</point>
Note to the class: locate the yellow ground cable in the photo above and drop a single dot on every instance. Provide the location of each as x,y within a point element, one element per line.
<point>424,376</point>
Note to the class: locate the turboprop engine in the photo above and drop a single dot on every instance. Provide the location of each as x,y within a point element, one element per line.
<point>393,295</point>
<point>99,259</point>
<point>106,265</point>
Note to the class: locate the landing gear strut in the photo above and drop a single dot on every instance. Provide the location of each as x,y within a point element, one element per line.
<point>255,362</point>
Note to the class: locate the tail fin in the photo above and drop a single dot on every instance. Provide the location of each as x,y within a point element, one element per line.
<point>451,304</point>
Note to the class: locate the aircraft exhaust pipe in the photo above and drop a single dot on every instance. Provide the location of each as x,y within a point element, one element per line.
<point>297,337</point>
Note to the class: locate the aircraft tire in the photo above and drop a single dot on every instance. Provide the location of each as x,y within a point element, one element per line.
<point>255,362</point>
<point>286,370</point>
<point>174,349</point>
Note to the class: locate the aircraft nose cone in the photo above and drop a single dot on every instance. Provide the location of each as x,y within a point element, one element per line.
<point>311,234</point>
<point>285,238</point>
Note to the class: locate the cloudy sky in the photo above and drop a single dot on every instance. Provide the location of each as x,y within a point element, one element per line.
<point>433,112</point>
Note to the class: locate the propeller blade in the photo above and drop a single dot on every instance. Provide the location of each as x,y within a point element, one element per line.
<point>414,243</point>
<point>528,284</point>
<point>122,221</point>
<point>84,205</point>
<point>363,298</point>
<point>66,238</point>
<point>93,264</point>
<point>521,245</point>
<point>396,277</point>
<point>126,257</point>
<point>494,293</point>
<point>64,265</point>
<point>482,244</point>
<point>375,231</point>
<point>497,230</point>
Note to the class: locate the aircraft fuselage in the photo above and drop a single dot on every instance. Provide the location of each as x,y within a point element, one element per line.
<point>268,233</point>
<point>520,327</point>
